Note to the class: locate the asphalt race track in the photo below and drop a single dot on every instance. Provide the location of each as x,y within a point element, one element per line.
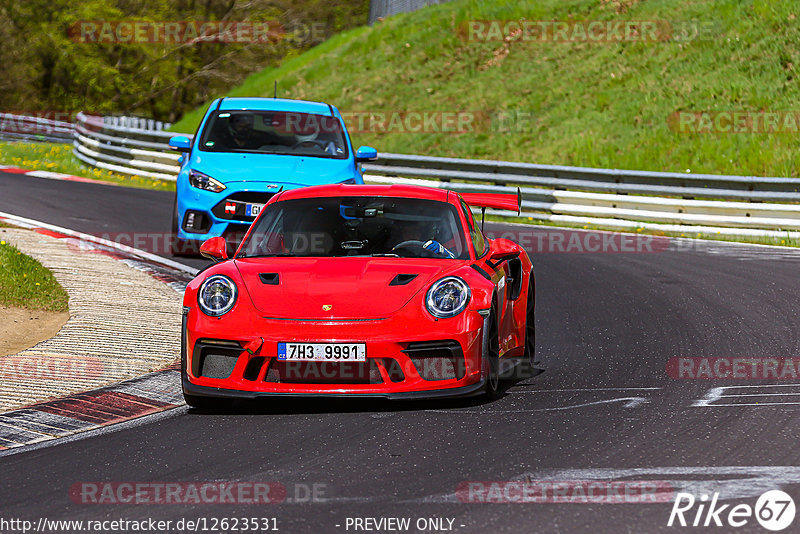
<point>603,409</point>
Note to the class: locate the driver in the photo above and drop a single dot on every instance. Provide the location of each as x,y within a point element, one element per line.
<point>240,129</point>
<point>409,234</point>
<point>241,133</point>
<point>307,135</point>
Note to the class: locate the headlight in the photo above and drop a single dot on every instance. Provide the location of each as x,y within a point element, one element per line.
<point>217,295</point>
<point>203,181</point>
<point>448,297</point>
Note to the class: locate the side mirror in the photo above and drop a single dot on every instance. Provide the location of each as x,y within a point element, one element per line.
<point>181,143</point>
<point>503,250</point>
<point>215,249</point>
<point>366,153</point>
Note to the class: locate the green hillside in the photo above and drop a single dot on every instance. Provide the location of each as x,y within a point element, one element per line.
<point>606,104</point>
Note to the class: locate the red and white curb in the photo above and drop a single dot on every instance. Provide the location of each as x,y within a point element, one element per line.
<point>51,175</point>
<point>145,395</point>
<point>172,273</point>
<point>127,400</point>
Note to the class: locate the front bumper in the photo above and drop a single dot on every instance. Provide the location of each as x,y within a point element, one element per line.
<point>402,362</point>
<point>203,215</point>
<point>458,392</point>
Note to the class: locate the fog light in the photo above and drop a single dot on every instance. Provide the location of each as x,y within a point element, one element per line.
<point>195,222</point>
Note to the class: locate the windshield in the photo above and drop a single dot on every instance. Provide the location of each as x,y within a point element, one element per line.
<point>357,226</point>
<point>275,132</point>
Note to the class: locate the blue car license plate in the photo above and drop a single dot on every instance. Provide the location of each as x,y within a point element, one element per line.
<point>252,210</point>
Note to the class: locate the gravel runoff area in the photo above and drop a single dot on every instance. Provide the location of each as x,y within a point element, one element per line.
<point>123,323</point>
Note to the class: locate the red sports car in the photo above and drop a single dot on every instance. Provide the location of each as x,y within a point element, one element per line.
<point>360,290</point>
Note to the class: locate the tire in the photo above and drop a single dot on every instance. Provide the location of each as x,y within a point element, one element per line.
<point>491,359</point>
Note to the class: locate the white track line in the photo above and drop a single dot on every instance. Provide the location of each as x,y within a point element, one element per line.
<point>105,242</point>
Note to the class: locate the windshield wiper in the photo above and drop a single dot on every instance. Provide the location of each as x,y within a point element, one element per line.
<point>388,255</point>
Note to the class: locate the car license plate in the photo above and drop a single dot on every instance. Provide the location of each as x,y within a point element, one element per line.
<point>323,352</point>
<point>252,210</point>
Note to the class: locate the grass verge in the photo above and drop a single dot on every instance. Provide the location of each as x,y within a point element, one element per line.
<point>25,283</point>
<point>56,157</point>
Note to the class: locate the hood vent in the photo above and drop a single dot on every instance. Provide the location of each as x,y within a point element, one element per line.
<point>402,279</point>
<point>270,279</point>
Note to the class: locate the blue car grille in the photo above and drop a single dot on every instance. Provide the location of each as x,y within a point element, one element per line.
<point>234,207</point>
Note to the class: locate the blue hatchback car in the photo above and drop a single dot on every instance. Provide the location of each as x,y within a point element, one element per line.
<point>248,149</point>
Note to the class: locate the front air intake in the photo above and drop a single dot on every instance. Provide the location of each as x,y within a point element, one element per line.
<point>437,360</point>
<point>215,359</point>
<point>292,372</point>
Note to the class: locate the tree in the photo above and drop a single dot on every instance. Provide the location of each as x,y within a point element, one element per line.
<point>53,61</point>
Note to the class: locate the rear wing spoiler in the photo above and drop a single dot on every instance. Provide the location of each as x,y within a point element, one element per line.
<point>500,201</point>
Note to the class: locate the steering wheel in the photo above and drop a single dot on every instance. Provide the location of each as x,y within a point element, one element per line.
<point>410,243</point>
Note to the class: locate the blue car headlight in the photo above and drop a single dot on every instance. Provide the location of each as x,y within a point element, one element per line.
<point>217,295</point>
<point>447,297</point>
<point>203,181</point>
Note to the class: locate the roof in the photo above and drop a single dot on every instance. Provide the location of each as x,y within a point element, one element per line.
<point>275,104</point>
<point>339,190</point>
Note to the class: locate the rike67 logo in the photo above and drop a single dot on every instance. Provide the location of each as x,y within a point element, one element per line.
<point>774,510</point>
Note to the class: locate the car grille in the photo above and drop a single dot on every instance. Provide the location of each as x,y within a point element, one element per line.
<point>284,372</point>
<point>234,206</point>
<point>323,372</point>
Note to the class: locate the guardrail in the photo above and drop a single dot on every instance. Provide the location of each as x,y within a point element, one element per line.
<point>623,199</point>
<point>137,123</point>
<point>23,127</point>
<point>559,177</point>
<point>124,149</point>
<point>386,8</point>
